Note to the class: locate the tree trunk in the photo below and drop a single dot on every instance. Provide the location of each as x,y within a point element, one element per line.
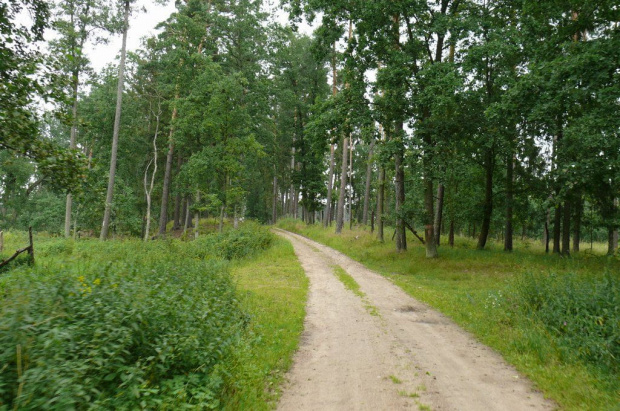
<point>343,187</point>
<point>274,207</point>
<point>566,229</point>
<point>577,223</point>
<point>510,166</point>
<point>105,226</point>
<point>330,188</point>
<point>72,146</point>
<point>197,216</point>
<point>293,195</point>
<point>368,180</point>
<point>329,210</point>
<point>613,234</point>
<point>612,243</point>
<point>351,145</point>
<point>221,226</point>
<point>399,180</point>
<point>177,199</point>
<point>163,214</point>
<point>451,235</point>
<point>439,212</point>
<point>429,229</point>
<point>187,214</point>
<point>380,201</point>
<point>487,208</point>
<point>148,189</point>
<point>557,230</point>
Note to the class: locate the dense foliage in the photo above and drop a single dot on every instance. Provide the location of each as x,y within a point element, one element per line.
<point>582,314</point>
<point>124,324</point>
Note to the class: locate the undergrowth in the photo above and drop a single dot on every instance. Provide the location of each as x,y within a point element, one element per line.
<point>124,324</point>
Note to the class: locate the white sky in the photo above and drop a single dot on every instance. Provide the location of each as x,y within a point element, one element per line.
<point>142,24</point>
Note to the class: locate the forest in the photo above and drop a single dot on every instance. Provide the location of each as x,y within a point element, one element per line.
<point>492,119</point>
<point>441,132</point>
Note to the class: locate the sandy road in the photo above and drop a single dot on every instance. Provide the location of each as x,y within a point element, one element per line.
<point>406,357</point>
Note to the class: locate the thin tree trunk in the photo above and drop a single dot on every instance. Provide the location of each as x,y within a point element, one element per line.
<point>105,226</point>
<point>557,230</point>
<point>329,211</point>
<point>380,201</point>
<point>274,209</point>
<point>566,228</point>
<point>439,212</point>
<point>149,190</point>
<point>177,199</point>
<point>197,216</point>
<point>401,236</point>
<point>613,235</point>
<point>187,214</point>
<point>330,187</point>
<point>487,208</point>
<point>351,182</point>
<point>429,231</point>
<point>343,186</point>
<point>577,224</point>
<point>72,146</point>
<point>221,226</point>
<point>451,235</point>
<point>163,215</point>
<point>368,181</point>
<point>510,167</point>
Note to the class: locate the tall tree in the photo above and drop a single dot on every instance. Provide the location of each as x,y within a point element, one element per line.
<point>105,226</point>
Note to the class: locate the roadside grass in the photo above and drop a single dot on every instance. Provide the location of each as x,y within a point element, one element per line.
<point>565,338</point>
<point>273,290</point>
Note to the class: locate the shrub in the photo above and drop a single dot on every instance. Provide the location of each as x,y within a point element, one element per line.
<point>246,241</point>
<point>123,335</point>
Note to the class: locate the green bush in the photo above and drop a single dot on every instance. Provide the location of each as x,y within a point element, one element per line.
<point>144,332</point>
<point>581,314</point>
<point>246,241</point>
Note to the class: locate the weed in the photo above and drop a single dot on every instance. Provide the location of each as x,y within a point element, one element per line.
<point>395,379</point>
<point>408,394</point>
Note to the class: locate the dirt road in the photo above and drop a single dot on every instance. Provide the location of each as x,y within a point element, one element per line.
<point>387,351</point>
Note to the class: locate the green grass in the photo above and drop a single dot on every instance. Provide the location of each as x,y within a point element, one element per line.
<point>273,289</point>
<point>348,281</point>
<point>352,285</point>
<point>480,291</point>
<point>395,379</point>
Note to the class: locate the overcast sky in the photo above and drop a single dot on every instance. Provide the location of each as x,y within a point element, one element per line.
<point>142,24</point>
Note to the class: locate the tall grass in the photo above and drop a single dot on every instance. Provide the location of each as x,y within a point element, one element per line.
<point>124,324</point>
<point>515,302</point>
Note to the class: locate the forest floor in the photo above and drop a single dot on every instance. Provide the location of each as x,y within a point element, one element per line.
<point>367,345</point>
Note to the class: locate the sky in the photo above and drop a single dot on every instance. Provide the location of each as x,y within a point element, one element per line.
<point>142,24</point>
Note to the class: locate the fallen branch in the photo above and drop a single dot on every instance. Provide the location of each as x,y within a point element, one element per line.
<point>29,249</point>
<point>415,233</point>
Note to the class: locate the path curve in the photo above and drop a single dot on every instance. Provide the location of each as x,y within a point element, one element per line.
<point>406,357</point>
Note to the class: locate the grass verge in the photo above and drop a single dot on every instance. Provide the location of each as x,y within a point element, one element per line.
<point>489,294</point>
<point>273,289</point>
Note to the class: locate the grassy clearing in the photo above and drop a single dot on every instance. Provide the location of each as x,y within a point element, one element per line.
<point>160,325</point>
<point>561,337</point>
<point>273,290</point>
